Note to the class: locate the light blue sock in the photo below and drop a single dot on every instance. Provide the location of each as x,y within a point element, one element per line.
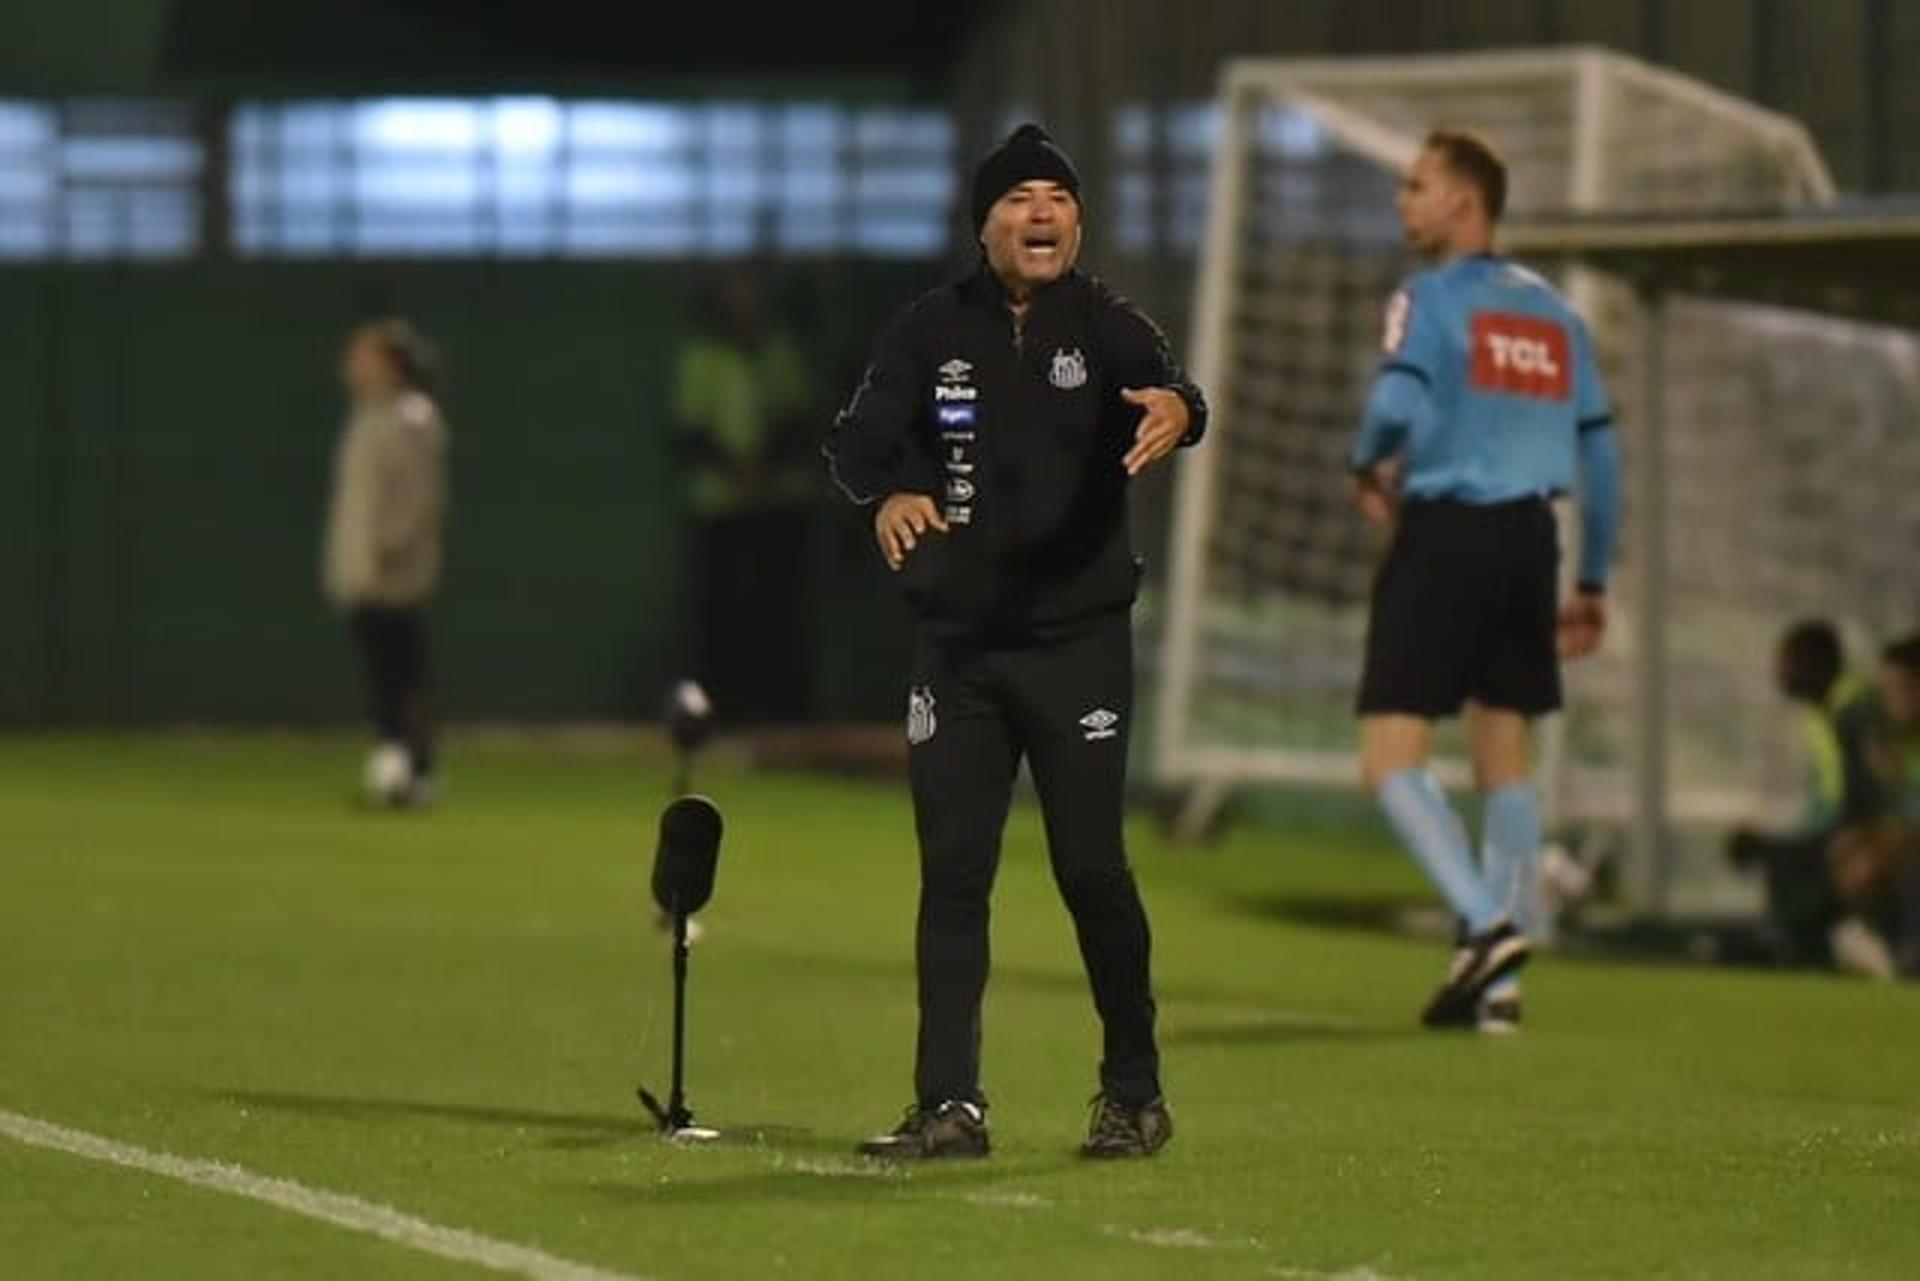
<point>1510,856</point>
<point>1510,849</point>
<point>1435,836</point>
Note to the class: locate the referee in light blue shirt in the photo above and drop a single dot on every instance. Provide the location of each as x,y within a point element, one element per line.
<point>1486,406</point>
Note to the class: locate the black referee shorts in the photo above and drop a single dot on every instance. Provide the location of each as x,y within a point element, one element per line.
<point>1465,608</point>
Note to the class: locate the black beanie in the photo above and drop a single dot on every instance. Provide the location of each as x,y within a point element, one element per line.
<point>1026,155</point>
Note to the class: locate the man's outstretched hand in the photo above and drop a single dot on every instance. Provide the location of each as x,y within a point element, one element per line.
<point>1162,427</point>
<point>901,522</point>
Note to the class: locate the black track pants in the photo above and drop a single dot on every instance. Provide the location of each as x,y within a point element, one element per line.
<point>393,651</point>
<point>975,711</point>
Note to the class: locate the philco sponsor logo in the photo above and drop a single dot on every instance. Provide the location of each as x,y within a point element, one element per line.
<point>946,392</point>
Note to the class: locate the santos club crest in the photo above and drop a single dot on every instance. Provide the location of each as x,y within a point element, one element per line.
<point>921,722</point>
<point>1069,369</point>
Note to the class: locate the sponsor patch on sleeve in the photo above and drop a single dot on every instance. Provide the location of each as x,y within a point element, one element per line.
<point>1393,334</point>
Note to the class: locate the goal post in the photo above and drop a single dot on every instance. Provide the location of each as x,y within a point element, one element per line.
<point>1270,568</point>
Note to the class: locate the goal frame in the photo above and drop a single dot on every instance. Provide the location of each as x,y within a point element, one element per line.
<point>1210,771</point>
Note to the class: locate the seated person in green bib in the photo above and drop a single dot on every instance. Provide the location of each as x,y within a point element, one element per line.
<point>1898,859</point>
<point>1811,921</point>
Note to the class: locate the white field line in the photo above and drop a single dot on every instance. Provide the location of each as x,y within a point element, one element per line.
<point>825,1169</point>
<point>1188,1239</point>
<point>1174,1238</point>
<point>1006,1200</point>
<point>337,1208</point>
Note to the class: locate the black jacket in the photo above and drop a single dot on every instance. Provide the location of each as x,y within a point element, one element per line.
<point>1018,434</point>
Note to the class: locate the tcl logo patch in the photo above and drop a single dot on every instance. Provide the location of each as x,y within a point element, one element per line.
<point>1521,356</point>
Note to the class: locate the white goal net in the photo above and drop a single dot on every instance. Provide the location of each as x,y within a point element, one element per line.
<point>1788,464</point>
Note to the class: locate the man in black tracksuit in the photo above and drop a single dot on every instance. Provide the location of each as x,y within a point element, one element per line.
<point>995,433</point>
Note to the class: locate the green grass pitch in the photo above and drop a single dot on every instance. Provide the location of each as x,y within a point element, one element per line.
<point>206,951</point>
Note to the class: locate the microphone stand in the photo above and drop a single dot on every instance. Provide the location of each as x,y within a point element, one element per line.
<point>675,1119</point>
<point>683,770</point>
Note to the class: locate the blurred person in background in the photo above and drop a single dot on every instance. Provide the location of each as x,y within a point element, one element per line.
<point>383,543</point>
<point>1900,691</point>
<point>1486,406</point>
<point>743,404</point>
<point>1817,871</point>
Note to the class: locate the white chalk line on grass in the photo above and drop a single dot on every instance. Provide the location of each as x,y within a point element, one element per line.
<point>824,1169</point>
<point>1006,1200</point>
<point>1188,1239</point>
<point>896,1172</point>
<point>337,1208</point>
<point>1177,1239</point>
<point>1172,1238</point>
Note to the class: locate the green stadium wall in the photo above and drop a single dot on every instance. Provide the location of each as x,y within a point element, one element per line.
<point>164,457</point>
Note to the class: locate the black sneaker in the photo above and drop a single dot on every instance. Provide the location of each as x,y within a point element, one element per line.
<point>1500,1016</point>
<point>1452,1015</point>
<point>1120,1131</point>
<point>954,1129</point>
<point>1479,961</point>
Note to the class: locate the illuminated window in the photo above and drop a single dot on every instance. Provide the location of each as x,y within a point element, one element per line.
<point>507,177</point>
<point>98,179</point>
<point>1164,169</point>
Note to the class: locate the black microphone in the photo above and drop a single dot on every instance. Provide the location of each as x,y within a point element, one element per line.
<point>689,851</point>
<point>683,867</point>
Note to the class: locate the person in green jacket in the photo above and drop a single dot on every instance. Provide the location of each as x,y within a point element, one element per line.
<point>743,398</point>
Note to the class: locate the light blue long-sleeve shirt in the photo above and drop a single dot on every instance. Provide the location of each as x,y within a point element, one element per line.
<point>1489,392</point>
